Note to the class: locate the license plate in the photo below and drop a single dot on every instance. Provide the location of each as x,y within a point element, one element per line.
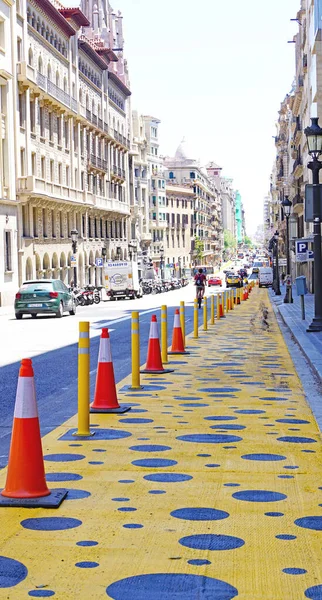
<point>34,305</point>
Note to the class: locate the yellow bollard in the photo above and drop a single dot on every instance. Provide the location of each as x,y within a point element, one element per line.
<point>232,298</point>
<point>182,322</point>
<point>218,307</point>
<point>212,310</point>
<point>135,338</point>
<point>227,301</point>
<point>205,315</point>
<point>195,318</point>
<point>164,333</point>
<point>83,381</point>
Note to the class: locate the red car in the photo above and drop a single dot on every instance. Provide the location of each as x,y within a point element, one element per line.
<point>214,280</point>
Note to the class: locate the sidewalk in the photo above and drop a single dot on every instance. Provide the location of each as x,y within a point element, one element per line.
<point>205,489</point>
<point>310,343</point>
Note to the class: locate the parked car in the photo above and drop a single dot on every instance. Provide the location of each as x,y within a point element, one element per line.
<point>265,276</point>
<point>214,280</point>
<point>253,276</point>
<point>44,296</point>
<point>234,280</point>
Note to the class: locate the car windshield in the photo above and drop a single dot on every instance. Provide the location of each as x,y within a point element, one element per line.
<point>36,287</point>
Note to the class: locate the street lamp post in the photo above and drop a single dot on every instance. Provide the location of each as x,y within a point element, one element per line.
<point>74,236</point>
<point>314,142</point>
<point>162,262</point>
<point>287,205</point>
<point>277,288</point>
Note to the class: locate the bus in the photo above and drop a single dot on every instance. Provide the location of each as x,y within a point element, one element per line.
<point>206,269</point>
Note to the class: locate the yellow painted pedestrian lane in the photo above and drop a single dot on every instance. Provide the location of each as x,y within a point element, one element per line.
<point>209,488</point>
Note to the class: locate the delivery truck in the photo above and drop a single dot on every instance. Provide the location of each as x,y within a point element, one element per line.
<point>122,279</point>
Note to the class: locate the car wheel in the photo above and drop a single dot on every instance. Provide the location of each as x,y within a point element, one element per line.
<point>18,316</point>
<point>60,312</point>
<point>73,311</point>
<point>34,315</point>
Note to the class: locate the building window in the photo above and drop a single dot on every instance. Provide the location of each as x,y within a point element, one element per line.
<point>19,49</point>
<point>22,162</point>
<point>61,223</point>
<point>25,220</point>
<point>50,126</point>
<point>66,134</point>
<point>59,131</point>
<point>42,121</point>
<point>2,36</point>
<point>67,175</point>
<point>60,170</point>
<point>82,180</point>
<point>43,167</point>
<point>22,105</point>
<point>32,116</point>
<point>52,170</point>
<point>53,224</point>
<point>7,251</point>
<point>33,163</point>
<point>44,222</point>
<point>35,221</point>
<point>192,175</point>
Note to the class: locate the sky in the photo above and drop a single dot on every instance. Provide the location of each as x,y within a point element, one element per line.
<point>214,72</point>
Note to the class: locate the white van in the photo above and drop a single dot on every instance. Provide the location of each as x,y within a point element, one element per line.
<point>265,276</point>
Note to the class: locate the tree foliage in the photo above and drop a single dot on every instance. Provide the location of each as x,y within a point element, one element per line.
<point>229,240</point>
<point>248,241</point>
<point>199,249</point>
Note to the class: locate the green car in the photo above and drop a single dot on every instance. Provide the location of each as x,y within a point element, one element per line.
<point>44,296</point>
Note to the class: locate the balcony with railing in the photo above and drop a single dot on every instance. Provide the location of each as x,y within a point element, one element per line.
<point>35,185</point>
<point>98,162</point>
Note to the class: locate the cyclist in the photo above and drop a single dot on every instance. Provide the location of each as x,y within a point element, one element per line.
<point>200,282</point>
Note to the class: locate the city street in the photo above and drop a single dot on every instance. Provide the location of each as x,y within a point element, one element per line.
<point>211,481</point>
<point>52,343</point>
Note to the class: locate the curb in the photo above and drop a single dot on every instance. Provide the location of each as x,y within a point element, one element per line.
<point>306,350</point>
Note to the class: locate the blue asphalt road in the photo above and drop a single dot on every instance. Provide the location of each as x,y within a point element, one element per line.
<point>56,374</point>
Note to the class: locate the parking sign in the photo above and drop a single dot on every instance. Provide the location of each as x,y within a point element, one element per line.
<point>99,262</point>
<point>301,248</point>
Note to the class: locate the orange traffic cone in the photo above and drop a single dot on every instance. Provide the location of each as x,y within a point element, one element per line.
<point>154,362</point>
<point>26,480</point>
<point>105,399</point>
<point>177,337</point>
<point>221,303</point>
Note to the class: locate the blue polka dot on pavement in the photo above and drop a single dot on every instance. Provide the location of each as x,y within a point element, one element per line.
<point>126,480</point>
<point>12,572</point>
<point>220,418</point>
<point>231,484</point>
<point>259,496</point>
<point>199,514</point>
<point>41,593</point>
<point>168,477</point>
<point>209,438</point>
<point>294,571</point>
<point>157,492</point>
<point>63,477</point>
<point>136,420</point>
<point>314,593</point>
<point>87,564</point>
<point>293,421</point>
<point>133,526</point>
<point>249,412</point>
<point>310,523</point>
<point>228,426</point>
<point>95,462</point>
<point>77,494</point>
<point>285,536</point>
<point>181,586</point>
<point>198,562</point>
<point>264,457</point>
<point>50,523</point>
<point>127,509</point>
<point>296,440</point>
<point>64,457</point>
<point>150,448</point>
<point>154,462</point>
<point>212,465</point>
<point>211,541</point>
<point>274,514</point>
<point>121,499</point>
<point>204,455</point>
<point>87,543</point>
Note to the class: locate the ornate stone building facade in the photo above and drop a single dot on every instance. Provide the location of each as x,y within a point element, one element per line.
<point>9,14</point>
<point>74,135</point>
